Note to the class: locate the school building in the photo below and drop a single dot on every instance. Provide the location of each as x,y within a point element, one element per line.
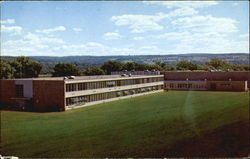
<point>61,93</point>
<point>211,81</point>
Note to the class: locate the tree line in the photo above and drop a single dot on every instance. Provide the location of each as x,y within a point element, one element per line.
<point>24,67</point>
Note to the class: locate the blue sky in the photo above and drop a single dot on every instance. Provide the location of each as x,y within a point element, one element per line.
<point>102,28</point>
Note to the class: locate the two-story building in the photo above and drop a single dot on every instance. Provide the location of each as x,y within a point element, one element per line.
<point>62,93</point>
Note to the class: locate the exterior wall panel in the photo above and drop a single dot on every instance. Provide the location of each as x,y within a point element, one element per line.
<point>215,81</point>
<point>48,94</point>
<point>238,86</point>
<point>28,87</point>
<point>7,91</point>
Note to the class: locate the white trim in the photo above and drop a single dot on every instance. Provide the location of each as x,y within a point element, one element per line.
<point>110,79</point>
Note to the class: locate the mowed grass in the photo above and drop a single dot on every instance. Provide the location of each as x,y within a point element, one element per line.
<point>144,126</point>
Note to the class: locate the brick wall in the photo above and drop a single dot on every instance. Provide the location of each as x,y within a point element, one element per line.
<point>7,91</point>
<point>48,94</point>
<point>216,76</point>
<point>238,86</point>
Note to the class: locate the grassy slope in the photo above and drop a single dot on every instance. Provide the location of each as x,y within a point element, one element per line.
<point>138,127</point>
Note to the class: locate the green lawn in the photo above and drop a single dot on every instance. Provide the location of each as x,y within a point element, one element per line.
<point>144,126</point>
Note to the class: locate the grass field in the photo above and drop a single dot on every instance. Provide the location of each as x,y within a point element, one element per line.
<point>168,124</point>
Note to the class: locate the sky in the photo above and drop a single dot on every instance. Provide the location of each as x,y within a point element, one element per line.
<point>103,28</point>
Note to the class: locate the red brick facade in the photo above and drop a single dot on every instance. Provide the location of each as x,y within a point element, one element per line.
<point>238,86</point>
<point>215,81</point>
<point>7,91</point>
<point>48,94</point>
<point>215,76</point>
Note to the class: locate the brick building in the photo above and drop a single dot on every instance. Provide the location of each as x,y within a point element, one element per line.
<point>60,93</point>
<point>214,81</point>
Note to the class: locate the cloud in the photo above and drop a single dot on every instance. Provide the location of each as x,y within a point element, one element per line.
<point>111,36</point>
<point>206,24</point>
<point>77,29</point>
<point>172,35</point>
<point>185,11</point>
<point>244,35</point>
<point>138,38</point>
<point>235,4</point>
<point>207,42</point>
<point>11,29</point>
<point>93,48</point>
<point>47,31</point>
<point>30,44</point>
<point>181,4</point>
<point>139,23</point>
<point>8,21</point>
<point>143,23</point>
<point>188,36</point>
<point>37,39</point>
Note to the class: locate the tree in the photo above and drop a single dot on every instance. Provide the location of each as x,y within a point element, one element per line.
<point>205,67</point>
<point>25,67</point>
<point>65,69</point>
<point>33,69</point>
<point>218,63</point>
<point>140,66</point>
<point>170,68</point>
<point>155,67</point>
<point>163,66</point>
<point>186,65</point>
<point>130,66</point>
<point>240,67</point>
<point>7,71</point>
<point>93,71</point>
<point>112,66</point>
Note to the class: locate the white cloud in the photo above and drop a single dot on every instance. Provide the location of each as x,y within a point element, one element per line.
<point>30,44</point>
<point>143,23</point>
<point>244,35</point>
<point>139,23</point>
<point>47,31</point>
<point>235,4</point>
<point>37,39</point>
<point>172,35</point>
<point>11,29</point>
<point>185,11</point>
<point>77,29</point>
<point>138,38</point>
<point>111,36</point>
<point>148,47</point>
<point>181,4</point>
<point>206,24</point>
<point>93,48</point>
<point>8,21</point>
<point>208,42</point>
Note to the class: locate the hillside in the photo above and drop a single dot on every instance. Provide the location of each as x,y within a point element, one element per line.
<point>169,59</point>
<point>168,124</point>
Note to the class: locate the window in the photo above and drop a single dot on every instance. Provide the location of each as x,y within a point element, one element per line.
<point>171,85</point>
<point>111,83</point>
<point>19,90</point>
<point>213,86</point>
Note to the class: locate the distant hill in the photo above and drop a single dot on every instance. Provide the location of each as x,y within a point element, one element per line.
<point>239,58</point>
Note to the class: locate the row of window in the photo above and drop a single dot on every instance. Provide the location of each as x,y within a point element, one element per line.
<point>225,84</point>
<point>113,83</point>
<point>80,100</point>
<point>183,85</point>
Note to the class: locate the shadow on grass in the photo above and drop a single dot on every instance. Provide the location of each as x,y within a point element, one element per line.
<point>228,141</point>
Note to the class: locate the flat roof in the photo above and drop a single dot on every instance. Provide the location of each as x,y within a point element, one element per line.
<point>88,78</point>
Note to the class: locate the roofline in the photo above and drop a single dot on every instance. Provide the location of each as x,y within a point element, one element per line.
<point>109,79</point>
